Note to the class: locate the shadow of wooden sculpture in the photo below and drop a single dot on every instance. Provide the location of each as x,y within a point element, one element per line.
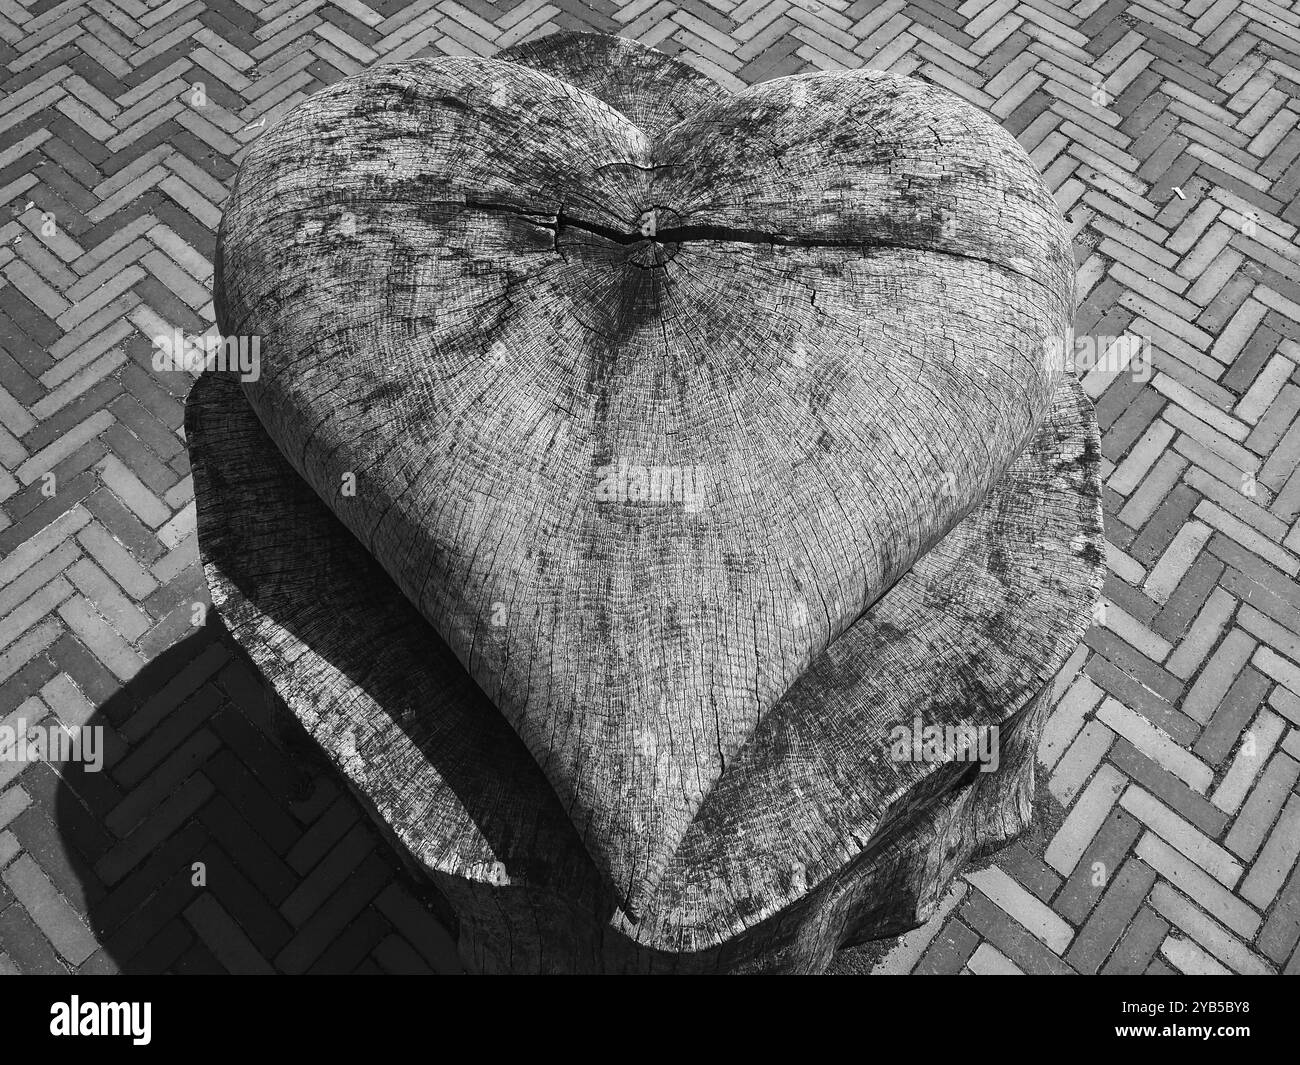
<point>665,506</point>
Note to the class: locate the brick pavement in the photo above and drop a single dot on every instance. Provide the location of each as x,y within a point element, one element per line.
<point>1169,135</point>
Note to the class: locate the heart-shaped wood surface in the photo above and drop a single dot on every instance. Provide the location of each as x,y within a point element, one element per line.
<point>640,424</point>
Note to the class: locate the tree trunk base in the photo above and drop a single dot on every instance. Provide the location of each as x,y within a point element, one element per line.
<point>819,835</point>
<point>358,681</point>
<point>894,886</point>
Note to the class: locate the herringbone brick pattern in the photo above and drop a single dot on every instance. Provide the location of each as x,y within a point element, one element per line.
<point>1169,134</point>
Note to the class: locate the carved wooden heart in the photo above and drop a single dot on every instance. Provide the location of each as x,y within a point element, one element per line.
<point>641,424</point>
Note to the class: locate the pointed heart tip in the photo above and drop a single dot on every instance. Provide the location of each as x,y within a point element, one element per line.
<point>632,827</point>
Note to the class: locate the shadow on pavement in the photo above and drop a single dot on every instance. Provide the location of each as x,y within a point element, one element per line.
<point>202,845</point>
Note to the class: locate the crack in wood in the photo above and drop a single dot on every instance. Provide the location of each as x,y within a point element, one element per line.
<point>703,232</point>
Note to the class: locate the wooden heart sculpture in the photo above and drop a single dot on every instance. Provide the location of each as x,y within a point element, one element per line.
<point>640,424</point>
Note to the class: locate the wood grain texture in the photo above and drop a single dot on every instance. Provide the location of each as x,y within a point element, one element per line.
<point>387,702</point>
<point>836,335</point>
<point>652,89</point>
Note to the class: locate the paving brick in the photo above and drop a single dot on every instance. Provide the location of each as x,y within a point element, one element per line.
<point>1136,696</point>
<point>1021,946</point>
<point>397,957</point>
<point>1206,932</point>
<point>54,838</point>
<point>1194,882</point>
<point>153,752</point>
<point>326,922</point>
<point>1251,539</point>
<point>1276,859</point>
<point>224,938</point>
<point>139,932</point>
<point>1182,835</point>
<point>263,867</point>
<point>1084,819</point>
<point>1028,870</point>
<point>26,648</point>
<point>988,961</point>
<point>1130,614</point>
<point>1265,802</point>
<point>1176,560</point>
<point>1218,676</point>
<point>1096,867</point>
<point>255,804</point>
<point>49,911</point>
<point>1067,719</point>
<point>1253,752</point>
<point>45,541</point>
<point>353,946</point>
<point>1286,703</point>
<point>1138,945</point>
<point>333,870</point>
<point>1278,668</point>
<point>1229,720</point>
<point>175,855</point>
<point>1028,911</point>
<point>31,610</point>
<point>1157,745</point>
<point>152,789</point>
<point>26,946</point>
<point>1281,931</point>
<point>1122,899</point>
<point>166,819</point>
<point>129,621</point>
<point>51,455</point>
<point>9,848</point>
<point>425,933</point>
<point>160,953</point>
<point>320,838</point>
<point>1114,644</point>
<point>1189,959</point>
<point>949,951</point>
<point>106,644</point>
<point>13,801</point>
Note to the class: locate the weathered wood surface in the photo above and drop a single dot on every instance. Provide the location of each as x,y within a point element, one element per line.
<point>837,336</point>
<point>654,90</point>
<point>387,702</point>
